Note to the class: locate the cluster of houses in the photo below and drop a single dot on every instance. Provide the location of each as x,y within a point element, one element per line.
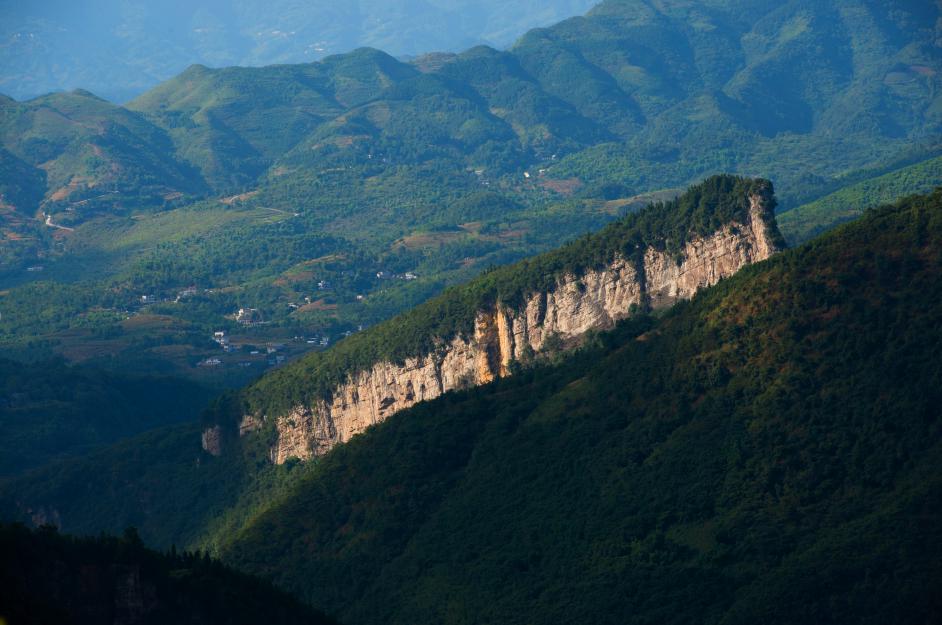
<point>407,276</point>
<point>220,337</point>
<point>185,293</point>
<point>323,341</point>
<point>181,295</point>
<point>271,350</point>
<point>249,316</point>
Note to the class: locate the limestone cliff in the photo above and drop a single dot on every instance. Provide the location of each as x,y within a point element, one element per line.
<point>594,300</point>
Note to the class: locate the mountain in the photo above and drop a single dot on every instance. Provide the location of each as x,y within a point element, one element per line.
<point>120,49</point>
<point>476,333</point>
<point>49,578</point>
<point>314,193</point>
<point>769,451</point>
<point>176,492</point>
<point>666,96</point>
<point>82,154</point>
<point>766,451</point>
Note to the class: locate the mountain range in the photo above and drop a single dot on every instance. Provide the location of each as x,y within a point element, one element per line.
<point>257,186</point>
<point>119,49</point>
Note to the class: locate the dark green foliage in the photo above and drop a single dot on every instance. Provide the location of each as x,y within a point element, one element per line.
<point>769,452</point>
<point>161,482</point>
<point>228,256</point>
<point>49,410</point>
<point>702,210</point>
<point>21,186</point>
<point>48,578</point>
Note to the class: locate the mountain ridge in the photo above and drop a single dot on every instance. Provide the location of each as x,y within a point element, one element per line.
<point>758,453</point>
<point>221,493</point>
<point>715,228</point>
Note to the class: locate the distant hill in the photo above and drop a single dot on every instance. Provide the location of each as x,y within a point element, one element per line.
<point>46,578</point>
<point>769,452</point>
<point>119,49</point>
<point>85,156</point>
<point>647,97</point>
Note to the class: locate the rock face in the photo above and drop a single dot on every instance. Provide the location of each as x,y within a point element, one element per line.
<point>595,300</point>
<point>212,440</point>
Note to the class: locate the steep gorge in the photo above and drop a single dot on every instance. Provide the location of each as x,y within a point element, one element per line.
<point>594,299</point>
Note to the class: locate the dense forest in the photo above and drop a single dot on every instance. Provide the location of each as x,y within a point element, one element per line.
<point>809,220</point>
<point>48,579</point>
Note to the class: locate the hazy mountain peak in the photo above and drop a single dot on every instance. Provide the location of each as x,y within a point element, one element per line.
<point>119,48</point>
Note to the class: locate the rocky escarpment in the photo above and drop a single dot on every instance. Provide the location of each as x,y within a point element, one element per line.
<point>593,300</point>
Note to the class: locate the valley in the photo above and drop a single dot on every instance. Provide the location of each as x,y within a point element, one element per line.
<point>432,169</point>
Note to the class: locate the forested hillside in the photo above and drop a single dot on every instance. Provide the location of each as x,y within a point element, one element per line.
<point>768,452</point>
<point>776,438</point>
<point>172,490</point>
<point>809,220</point>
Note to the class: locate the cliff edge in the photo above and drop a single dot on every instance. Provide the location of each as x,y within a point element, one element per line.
<point>649,261</point>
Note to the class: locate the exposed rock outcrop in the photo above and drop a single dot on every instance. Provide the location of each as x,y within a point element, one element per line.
<point>212,440</point>
<point>594,300</point>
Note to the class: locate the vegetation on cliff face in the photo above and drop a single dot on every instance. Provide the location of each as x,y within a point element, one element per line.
<point>768,452</point>
<point>48,579</point>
